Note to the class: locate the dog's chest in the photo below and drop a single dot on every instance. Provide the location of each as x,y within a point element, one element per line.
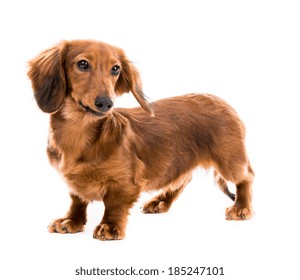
<point>87,181</point>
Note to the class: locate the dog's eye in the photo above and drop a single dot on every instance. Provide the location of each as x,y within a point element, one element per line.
<point>115,70</point>
<point>83,65</point>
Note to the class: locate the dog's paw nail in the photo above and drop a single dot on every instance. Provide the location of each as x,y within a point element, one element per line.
<point>115,233</point>
<point>64,229</point>
<point>228,217</point>
<point>52,228</point>
<point>243,217</point>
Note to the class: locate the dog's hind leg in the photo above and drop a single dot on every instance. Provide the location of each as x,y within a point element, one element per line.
<point>242,176</point>
<point>163,201</point>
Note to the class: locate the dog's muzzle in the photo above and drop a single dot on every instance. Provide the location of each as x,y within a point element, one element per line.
<point>89,110</point>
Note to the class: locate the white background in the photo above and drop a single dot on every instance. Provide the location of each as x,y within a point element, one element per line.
<point>247,52</point>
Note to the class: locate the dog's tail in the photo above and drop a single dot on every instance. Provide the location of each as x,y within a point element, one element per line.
<point>222,183</point>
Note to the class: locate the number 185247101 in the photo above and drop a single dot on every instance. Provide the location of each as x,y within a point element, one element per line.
<point>200,270</point>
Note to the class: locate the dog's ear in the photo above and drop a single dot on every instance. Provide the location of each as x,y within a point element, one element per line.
<point>47,76</point>
<point>129,80</point>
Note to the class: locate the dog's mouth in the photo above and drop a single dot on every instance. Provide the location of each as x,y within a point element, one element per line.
<point>90,110</point>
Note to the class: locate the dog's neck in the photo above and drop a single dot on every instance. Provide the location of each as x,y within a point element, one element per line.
<point>78,135</point>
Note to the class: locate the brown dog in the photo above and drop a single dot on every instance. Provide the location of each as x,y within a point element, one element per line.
<point>113,154</point>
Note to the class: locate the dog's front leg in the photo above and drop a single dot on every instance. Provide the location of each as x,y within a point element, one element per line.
<point>117,204</point>
<point>74,220</point>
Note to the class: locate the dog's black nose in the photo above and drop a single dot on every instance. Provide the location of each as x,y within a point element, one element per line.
<point>103,104</point>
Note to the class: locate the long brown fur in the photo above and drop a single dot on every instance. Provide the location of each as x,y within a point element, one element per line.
<point>113,154</point>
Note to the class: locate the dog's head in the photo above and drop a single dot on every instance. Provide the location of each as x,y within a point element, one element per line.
<point>91,73</point>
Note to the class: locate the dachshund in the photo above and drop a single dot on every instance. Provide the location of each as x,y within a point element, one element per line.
<point>113,154</point>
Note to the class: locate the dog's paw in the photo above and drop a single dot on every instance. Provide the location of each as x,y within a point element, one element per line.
<point>155,206</point>
<point>65,226</point>
<point>239,213</point>
<point>108,232</point>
